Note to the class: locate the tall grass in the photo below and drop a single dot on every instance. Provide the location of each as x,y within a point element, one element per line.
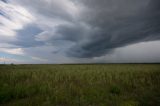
<point>80,85</point>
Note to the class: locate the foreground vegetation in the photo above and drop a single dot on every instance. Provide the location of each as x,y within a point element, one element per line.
<point>80,85</point>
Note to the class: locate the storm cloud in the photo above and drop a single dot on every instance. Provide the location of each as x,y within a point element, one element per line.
<point>78,29</point>
<point>118,23</point>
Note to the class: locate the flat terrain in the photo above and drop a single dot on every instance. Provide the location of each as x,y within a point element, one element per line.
<point>80,85</point>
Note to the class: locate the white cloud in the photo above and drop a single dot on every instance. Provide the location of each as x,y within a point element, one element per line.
<point>14,17</point>
<point>16,51</point>
<point>4,60</point>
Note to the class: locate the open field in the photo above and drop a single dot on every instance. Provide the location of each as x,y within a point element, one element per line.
<point>80,85</point>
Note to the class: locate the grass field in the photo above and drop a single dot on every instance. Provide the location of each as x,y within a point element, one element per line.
<point>80,85</point>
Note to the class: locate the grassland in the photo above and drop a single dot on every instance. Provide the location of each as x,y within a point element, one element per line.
<point>80,85</point>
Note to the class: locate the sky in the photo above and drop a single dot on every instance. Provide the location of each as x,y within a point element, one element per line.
<point>79,31</point>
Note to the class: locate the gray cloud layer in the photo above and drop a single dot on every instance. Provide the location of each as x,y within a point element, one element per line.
<point>118,23</point>
<point>89,28</point>
<point>26,36</point>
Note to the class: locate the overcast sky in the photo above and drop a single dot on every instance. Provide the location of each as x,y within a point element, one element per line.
<point>79,31</point>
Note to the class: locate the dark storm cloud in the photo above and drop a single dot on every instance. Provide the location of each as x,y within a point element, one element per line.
<point>119,23</point>
<point>26,37</point>
<point>74,32</point>
<point>90,28</point>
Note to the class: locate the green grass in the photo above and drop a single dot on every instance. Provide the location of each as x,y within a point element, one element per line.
<point>80,85</point>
